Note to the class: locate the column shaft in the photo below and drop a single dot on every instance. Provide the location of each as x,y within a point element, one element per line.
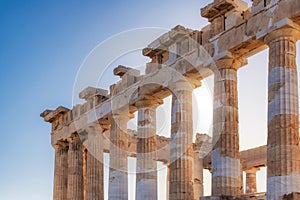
<point>95,170</point>
<point>225,154</point>
<point>181,153</point>
<point>61,172</point>
<point>75,170</point>
<point>168,182</point>
<point>118,172</point>
<point>283,158</point>
<point>146,177</point>
<point>251,181</point>
<point>84,172</point>
<point>242,191</point>
<point>198,176</point>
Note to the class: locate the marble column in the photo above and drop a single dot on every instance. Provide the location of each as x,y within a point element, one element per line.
<point>226,166</point>
<point>242,191</point>
<point>168,181</point>
<point>198,176</point>
<point>146,159</point>
<point>181,152</point>
<point>251,185</point>
<point>75,169</point>
<point>118,172</point>
<point>95,169</point>
<point>84,151</point>
<point>60,171</point>
<point>283,154</point>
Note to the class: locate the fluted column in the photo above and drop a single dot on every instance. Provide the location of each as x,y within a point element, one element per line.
<point>118,172</point>
<point>75,169</point>
<point>225,154</point>
<point>168,182</point>
<point>283,157</point>
<point>198,176</point>
<point>242,191</point>
<point>61,171</point>
<point>84,150</point>
<point>251,185</point>
<point>181,152</point>
<point>146,169</point>
<point>95,169</point>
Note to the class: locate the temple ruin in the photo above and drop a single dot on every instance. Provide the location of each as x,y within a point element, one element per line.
<point>82,134</point>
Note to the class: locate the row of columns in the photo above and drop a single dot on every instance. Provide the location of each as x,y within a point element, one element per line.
<point>69,161</point>
<point>69,182</point>
<point>283,153</point>
<point>74,177</point>
<point>283,139</point>
<point>180,173</point>
<point>68,170</point>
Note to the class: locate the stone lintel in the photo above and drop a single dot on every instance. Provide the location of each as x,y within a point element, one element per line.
<point>91,92</point>
<point>50,115</point>
<point>220,7</point>
<point>122,70</point>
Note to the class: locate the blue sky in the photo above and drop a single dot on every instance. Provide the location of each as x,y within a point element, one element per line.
<point>43,44</point>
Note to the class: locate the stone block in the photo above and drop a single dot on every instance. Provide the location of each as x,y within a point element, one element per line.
<point>166,40</point>
<point>91,92</point>
<point>232,19</point>
<point>122,70</point>
<point>206,34</point>
<point>231,38</point>
<point>195,40</point>
<point>218,25</point>
<point>51,115</point>
<point>178,32</point>
<point>183,47</point>
<point>257,6</point>
<point>221,7</point>
<point>152,67</point>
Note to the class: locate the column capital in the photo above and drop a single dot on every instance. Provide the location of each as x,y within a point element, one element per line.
<point>74,139</point>
<point>121,114</point>
<point>252,170</point>
<point>61,145</point>
<point>104,124</point>
<point>184,84</point>
<point>195,82</point>
<point>98,127</point>
<point>231,63</point>
<point>285,32</point>
<point>148,101</point>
